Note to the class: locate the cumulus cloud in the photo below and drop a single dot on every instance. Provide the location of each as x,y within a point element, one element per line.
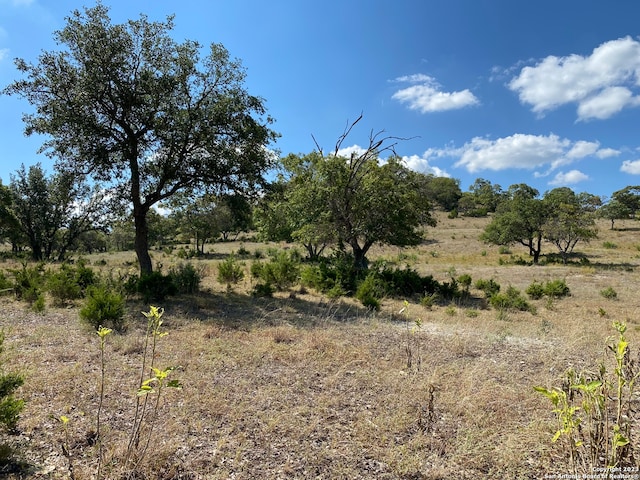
<point>601,84</point>
<point>582,149</point>
<point>524,151</point>
<point>347,151</point>
<point>516,151</point>
<point>422,164</point>
<point>426,95</point>
<point>607,152</point>
<point>569,178</point>
<point>631,166</point>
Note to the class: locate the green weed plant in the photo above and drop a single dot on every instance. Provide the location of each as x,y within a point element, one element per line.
<point>596,413</point>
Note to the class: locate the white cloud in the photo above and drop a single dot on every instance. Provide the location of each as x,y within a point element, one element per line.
<point>4,53</point>
<point>607,152</point>
<point>569,178</point>
<point>606,103</point>
<point>631,166</point>
<point>347,151</point>
<point>600,84</point>
<point>581,149</point>
<point>517,151</point>
<point>421,164</point>
<point>523,151</point>
<point>427,96</point>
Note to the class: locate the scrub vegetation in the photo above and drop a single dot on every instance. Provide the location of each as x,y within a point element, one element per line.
<point>303,383</point>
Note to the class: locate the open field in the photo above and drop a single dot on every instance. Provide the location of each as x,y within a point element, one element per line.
<point>301,386</point>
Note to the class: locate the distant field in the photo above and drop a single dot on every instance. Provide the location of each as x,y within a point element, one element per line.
<point>302,386</point>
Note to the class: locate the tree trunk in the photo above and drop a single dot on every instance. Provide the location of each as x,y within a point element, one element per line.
<point>141,243</point>
<point>360,261</point>
<point>536,252</point>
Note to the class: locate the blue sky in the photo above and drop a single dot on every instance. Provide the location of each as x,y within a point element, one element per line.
<point>545,93</point>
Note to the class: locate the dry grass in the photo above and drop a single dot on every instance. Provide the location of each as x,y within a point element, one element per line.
<point>302,387</point>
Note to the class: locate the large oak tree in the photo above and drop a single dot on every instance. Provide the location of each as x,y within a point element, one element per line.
<point>131,107</point>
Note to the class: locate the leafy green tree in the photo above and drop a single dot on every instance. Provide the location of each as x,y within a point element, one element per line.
<point>443,191</point>
<point>369,202</point>
<point>519,218</point>
<point>486,194</point>
<point>196,219</point>
<point>234,214</point>
<point>297,209</point>
<point>52,212</point>
<point>629,197</point>
<point>570,220</point>
<point>151,117</point>
<point>614,210</point>
<point>9,225</point>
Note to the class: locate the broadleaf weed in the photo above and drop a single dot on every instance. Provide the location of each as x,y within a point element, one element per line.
<point>596,411</point>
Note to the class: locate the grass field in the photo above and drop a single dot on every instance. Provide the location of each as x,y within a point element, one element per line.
<point>301,386</point>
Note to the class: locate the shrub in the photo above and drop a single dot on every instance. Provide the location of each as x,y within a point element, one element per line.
<point>512,300</point>
<point>370,291</point>
<point>230,271</point>
<point>609,293</point>
<point>28,282</point>
<point>153,286</point>
<point>400,282</point>
<point>596,414</point>
<point>465,281</point>
<point>10,407</point>
<point>489,287</point>
<point>62,287</point>
<point>6,286</point>
<point>186,277</point>
<point>281,271</point>
<point>104,307</point>
<point>609,245</point>
<point>535,290</point>
<point>429,300</point>
<point>556,289</point>
<point>262,290</point>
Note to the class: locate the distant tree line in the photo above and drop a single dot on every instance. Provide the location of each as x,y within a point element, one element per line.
<point>317,200</point>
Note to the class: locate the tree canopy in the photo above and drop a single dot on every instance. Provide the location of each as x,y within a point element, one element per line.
<point>131,107</point>
<point>560,217</point>
<point>519,218</point>
<point>355,201</point>
<point>51,213</point>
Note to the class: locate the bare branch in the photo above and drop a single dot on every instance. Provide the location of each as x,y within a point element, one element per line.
<point>317,146</point>
<point>345,133</point>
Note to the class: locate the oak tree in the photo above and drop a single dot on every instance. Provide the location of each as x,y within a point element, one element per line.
<point>128,105</point>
